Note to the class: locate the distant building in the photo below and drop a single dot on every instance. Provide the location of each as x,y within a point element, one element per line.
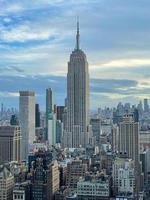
<point>37,115</point>
<point>129,138</point>
<point>146,106</point>
<point>52,128</point>
<point>10,143</point>
<point>115,137</point>
<point>27,120</point>
<point>14,120</point>
<point>49,106</point>
<point>60,112</point>
<point>59,131</point>
<point>96,128</point>
<point>6,183</point>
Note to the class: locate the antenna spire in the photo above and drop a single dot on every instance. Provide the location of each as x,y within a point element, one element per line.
<point>78,35</point>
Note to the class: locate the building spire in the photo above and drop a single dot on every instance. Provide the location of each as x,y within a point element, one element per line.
<point>78,35</point>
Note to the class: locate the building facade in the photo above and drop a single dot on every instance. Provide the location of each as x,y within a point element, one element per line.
<point>76,133</point>
<point>75,170</point>
<point>27,120</point>
<point>22,191</point>
<point>94,189</point>
<point>129,138</point>
<point>6,183</point>
<point>10,143</point>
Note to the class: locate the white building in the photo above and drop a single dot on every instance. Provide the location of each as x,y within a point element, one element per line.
<point>123,176</point>
<point>22,191</point>
<point>52,129</point>
<point>6,184</point>
<point>27,120</point>
<point>97,189</point>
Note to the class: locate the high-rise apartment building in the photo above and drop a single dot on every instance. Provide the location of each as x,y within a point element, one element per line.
<point>10,143</point>
<point>49,106</point>
<point>76,133</point>
<point>27,120</point>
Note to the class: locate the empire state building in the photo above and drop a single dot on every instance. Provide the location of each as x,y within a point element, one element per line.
<point>77,133</point>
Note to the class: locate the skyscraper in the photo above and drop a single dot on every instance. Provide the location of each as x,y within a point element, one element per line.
<point>146,106</point>
<point>76,133</point>
<point>49,107</point>
<point>37,115</point>
<point>129,138</point>
<point>27,120</point>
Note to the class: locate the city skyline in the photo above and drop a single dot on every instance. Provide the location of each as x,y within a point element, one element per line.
<point>34,48</point>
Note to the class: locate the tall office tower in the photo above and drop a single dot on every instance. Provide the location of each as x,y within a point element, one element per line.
<point>6,183</point>
<point>52,128</point>
<point>59,131</point>
<point>136,115</point>
<point>146,106</point>
<point>37,115</point>
<point>60,112</point>
<point>96,128</point>
<point>49,108</point>
<point>10,143</point>
<point>129,145</point>
<point>129,138</point>
<point>27,120</point>
<point>77,98</point>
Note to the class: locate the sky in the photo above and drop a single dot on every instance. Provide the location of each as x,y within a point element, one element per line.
<point>37,37</point>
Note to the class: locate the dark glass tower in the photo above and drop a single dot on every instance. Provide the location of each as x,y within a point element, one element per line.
<point>37,115</point>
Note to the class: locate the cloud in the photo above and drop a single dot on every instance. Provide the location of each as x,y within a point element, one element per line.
<point>100,89</point>
<point>38,36</point>
<point>132,62</point>
<point>11,69</point>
